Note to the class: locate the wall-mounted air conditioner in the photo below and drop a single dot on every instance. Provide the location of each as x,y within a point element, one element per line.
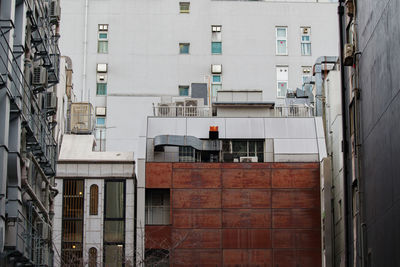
<point>248,159</point>
<point>55,11</point>
<point>50,103</point>
<point>216,68</point>
<point>102,68</point>
<point>166,110</point>
<point>102,78</point>
<point>348,54</point>
<point>180,108</point>
<point>39,77</point>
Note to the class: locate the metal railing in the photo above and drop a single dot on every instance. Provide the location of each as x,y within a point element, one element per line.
<point>276,112</point>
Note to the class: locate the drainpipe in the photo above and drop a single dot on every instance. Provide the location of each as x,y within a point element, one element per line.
<point>345,137</point>
<point>85,50</point>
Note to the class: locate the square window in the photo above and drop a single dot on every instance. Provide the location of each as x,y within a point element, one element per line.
<point>103,27</point>
<point>183,90</point>
<point>184,48</point>
<point>101,89</point>
<point>184,7</point>
<point>216,47</point>
<point>216,78</point>
<point>100,121</point>
<point>216,28</point>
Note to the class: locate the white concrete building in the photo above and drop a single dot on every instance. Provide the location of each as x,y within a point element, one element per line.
<point>148,49</point>
<point>95,209</point>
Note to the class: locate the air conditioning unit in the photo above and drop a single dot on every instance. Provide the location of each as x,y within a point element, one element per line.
<point>248,159</point>
<point>216,68</point>
<point>38,35</point>
<point>193,106</point>
<point>165,110</point>
<point>50,103</point>
<point>55,11</point>
<point>39,78</point>
<point>82,118</point>
<point>348,54</point>
<point>102,78</point>
<point>102,68</point>
<point>100,111</point>
<point>305,30</point>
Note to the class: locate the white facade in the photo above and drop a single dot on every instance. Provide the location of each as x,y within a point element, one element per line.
<point>78,161</point>
<point>144,60</point>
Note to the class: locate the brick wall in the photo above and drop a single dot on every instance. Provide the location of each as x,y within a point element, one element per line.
<point>240,214</point>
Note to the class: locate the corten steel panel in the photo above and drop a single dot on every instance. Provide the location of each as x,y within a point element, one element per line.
<point>260,165</point>
<point>158,236</point>
<point>295,178</point>
<point>196,257</point>
<point>158,175</point>
<point>246,198</point>
<point>199,165</point>
<point>306,258</point>
<point>196,178</point>
<point>247,257</point>
<point>197,218</point>
<point>196,199</point>
<point>196,238</point>
<point>246,238</point>
<point>296,218</point>
<point>285,258</point>
<point>296,238</point>
<point>291,198</point>
<point>295,165</point>
<point>246,178</point>
<point>246,218</point>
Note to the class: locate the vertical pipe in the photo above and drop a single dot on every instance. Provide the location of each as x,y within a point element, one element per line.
<point>85,51</point>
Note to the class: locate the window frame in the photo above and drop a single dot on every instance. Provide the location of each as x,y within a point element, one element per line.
<point>97,89</point>
<point>94,200</point>
<point>102,29</point>
<point>149,206</point>
<point>278,38</point>
<point>92,259</point>
<point>212,48</point>
<point>181,45</point>
<point>282,81</point>
<point>184,4</point>
<point>305,42</point>
<point>123,219</point>
<point>98,125</point>
<point>183,87</point>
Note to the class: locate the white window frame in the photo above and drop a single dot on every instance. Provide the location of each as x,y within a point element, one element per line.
<point>281,39</point>
<point>305,42</point>
<point>282,80</point>
<point>183,11</point>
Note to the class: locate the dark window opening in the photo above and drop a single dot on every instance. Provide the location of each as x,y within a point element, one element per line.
<point>157,257</point>
<point>157,206</point>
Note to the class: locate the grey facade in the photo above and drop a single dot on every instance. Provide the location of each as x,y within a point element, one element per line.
<point>144,61</point>
<point>372,107</point>
<point>29,71</point>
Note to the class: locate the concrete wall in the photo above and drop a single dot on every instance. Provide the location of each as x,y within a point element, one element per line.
<point>144,61</point>
<point>234,214</point>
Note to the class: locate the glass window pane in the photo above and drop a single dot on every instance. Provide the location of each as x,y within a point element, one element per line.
<point>216,47</point>
<point>113,231</point>
<point>114,200</point>
<point>102,47</point>
<point>305,38</point>
<point>72,231</point>
<point>281,32</point>
<point>102,35</point>
<point>282,88</point>
<point>183,90</point>
<point>306,49</point>
<point>216,78</point>
<point>215,88</point>
<point>101,89</point>
<point>184,48</point>
<point>281,45</point>
<point>239,146</point>
<point>100,121</point>
<point>113,255</point>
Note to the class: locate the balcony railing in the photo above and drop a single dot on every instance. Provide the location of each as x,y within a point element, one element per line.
<point>276,112</point>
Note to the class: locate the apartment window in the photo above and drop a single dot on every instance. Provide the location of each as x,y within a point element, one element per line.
<point>216,48</point>
<point>102,39</point>
<point>100,121</point>
<point>101,89</point>
<point>233,150</point>
<point>100,135</point>
<point>306,74</point>
<point>92,257</point>
<point>216,85</point>
<point>282,77</point>
<point>94,199</point>
<point>183,90</point>
<point>305,41</point>
<point>188,153</point>
<point>281,41</point>
<point>184,7</point>
<point>114,223</point>
<point>72,222</point>
<point>157,206</point>
<point>216,39</point>
<point>184,48</point>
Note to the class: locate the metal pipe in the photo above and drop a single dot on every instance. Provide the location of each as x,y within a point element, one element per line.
<point>38,203</point>
<point>345,137</point>
<point>85,50</point>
